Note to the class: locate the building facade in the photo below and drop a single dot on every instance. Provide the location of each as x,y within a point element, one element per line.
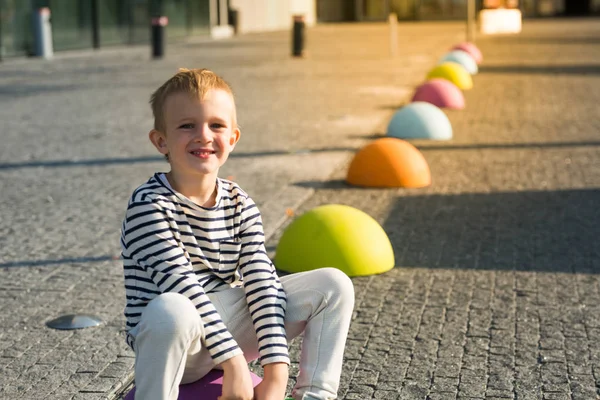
<point>269,15</point>
<point>81,24</point>
<point>415,10</point>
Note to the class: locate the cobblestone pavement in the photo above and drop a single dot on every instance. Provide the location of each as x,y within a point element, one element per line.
<point>74,146</point>
<point>495,294</point>
<point>496,290</point>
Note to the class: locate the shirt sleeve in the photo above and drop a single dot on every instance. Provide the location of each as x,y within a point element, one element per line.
<point>152,239</point>
<point>264,292</point>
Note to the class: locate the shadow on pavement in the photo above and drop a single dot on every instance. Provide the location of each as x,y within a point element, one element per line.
<point>552,40</point>
<point>482,146</point>
<point>506,146</point>
<point>235,43</point>
<point>51,68</point>
<point>553,231</point>
<point>148,159</point>
<point>9,91</point>
<point>588,69</point>
<point>79,163</point>
<point>394,107</point>
<point>550,231</point>
<point>368,137</point>
<point>46,263</point>
<point>331,184</point>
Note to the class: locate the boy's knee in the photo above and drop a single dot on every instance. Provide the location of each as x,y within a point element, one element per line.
<point>338,283</point>
<point>170,313</point>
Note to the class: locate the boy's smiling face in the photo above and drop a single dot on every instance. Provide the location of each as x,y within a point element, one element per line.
<point>199,134</point>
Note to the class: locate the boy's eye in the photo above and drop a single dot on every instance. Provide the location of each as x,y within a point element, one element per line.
<point>186,126</point>
<point>217,125</point>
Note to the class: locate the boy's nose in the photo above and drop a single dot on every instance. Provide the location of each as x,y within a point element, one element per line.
<point>203,132</point>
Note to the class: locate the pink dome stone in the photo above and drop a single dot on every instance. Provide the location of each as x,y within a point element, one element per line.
<point>471,49</point>
<point>441,93</point>
<point>207,388</point>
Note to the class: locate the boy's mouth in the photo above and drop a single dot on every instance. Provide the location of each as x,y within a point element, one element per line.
<point>202,153</point>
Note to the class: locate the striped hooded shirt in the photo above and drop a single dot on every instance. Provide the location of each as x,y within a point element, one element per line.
<point>170,244</point>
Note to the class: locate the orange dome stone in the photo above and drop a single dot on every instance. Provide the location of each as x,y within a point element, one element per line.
<point>389,162</point>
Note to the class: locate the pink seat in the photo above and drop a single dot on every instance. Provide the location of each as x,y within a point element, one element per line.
<point>441,93</point>
<point>471,49</point>
<point>207,388</point>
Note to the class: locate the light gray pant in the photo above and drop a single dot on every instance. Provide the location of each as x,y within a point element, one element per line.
<point>319,303</point>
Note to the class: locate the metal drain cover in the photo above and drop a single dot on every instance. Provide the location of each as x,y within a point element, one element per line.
<point>74,321</point>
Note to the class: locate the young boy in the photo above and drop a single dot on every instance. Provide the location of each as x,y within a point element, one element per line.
<point>201,291</point>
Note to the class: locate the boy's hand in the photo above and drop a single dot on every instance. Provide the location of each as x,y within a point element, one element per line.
<point>237,383</point>
<point>274,383</point>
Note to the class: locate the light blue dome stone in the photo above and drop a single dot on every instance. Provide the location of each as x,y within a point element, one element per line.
<point>463,58</point>
<point>420,120</point>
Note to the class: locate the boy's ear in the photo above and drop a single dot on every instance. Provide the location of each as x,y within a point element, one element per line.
<point>159,141</point>
<point>235,136</point>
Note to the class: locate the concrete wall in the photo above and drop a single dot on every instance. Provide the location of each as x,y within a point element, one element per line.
<point>549,7</point>
<point>335,10</point>
<point>271,15</point>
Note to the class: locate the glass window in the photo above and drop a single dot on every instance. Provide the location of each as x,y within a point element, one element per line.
<point>375,9</point>
<point>113,18</point>
<point>442,9</point>
<point>528,8</point>
<point>71,23</point>
<point>404,9</point>
<point>176,11</point>
<point>16,37</point>
<point>140,21</point>
<point>199,12</point>
<point>335,10</point>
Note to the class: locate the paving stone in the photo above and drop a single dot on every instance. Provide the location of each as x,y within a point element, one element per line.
<point>548,387</point>
<point>360,392</point>
<point>583,387</point>
<point>472,390</point>
<point>414,390</point>
<point>447,368</point>
<point>578,369</point>
<point>385,395</point>
<point>394,372</point>
<point>451,349</point>
<point>73,383</point>
<point>419,372</point>
<point>88,396</point>
<point>495,294</point>
<point>476,346</point>
<point>441,395</point>
<point>557,396</point>
<point>551,344</point>
<point>365,377</point>
<point>501,381</point>
<point>522,392</point>
<point>499,394</point>
<point>387,386</point>
<point>443,384</point>
<point>552,356</point>
<point>99,384</point>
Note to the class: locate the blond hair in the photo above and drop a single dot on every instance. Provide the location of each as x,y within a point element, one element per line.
<point>195,82</point>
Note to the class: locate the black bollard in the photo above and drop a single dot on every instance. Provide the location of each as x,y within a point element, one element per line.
<point>234,20</point>
<point>158,36</point>
<point>298,36</point>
